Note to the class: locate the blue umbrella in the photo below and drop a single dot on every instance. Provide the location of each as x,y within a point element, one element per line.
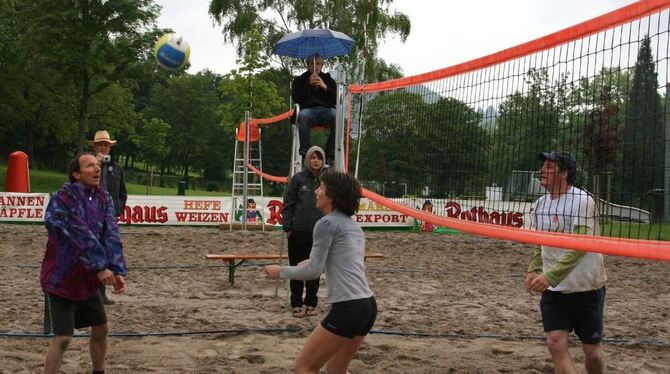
<point>324,42</point>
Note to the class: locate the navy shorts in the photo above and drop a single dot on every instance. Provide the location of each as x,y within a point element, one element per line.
<point>351,318</point>
<point>578,311</point>
<point>66,314</point>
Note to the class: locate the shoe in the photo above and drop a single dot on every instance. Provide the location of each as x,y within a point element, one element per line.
<point>311,311</point>
<point>298,312</point>
<point>107,301</point>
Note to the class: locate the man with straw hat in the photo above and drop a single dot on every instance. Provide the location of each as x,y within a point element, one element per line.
<point>112,180</point>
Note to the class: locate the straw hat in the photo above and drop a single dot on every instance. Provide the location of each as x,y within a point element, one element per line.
<point>102,136</point>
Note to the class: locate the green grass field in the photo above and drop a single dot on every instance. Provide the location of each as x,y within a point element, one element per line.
<point>51,181</point>
<point>654,231</point>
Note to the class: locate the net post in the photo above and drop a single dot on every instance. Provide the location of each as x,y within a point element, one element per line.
<point>666,179</point>
<point>340,78</point>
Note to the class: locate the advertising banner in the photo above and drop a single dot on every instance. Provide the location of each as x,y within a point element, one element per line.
<point>23,207</point>
<point>214,211</point>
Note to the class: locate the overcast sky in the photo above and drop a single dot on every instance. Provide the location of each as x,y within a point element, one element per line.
<point>443,32</point>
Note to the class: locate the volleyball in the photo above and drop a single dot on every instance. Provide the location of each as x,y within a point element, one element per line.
<point>172,51</point>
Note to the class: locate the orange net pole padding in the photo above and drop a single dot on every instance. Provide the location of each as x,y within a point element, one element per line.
<point>580,30</point>
<point>254,132</point>
<point>269,177</point>
<point>645,249</point>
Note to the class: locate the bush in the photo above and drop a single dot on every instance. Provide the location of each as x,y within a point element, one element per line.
<point>213,186</point>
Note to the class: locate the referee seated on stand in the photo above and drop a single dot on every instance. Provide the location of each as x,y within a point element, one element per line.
<point>316,93</point>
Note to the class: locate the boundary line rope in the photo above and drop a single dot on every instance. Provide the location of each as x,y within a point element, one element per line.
<point>643,341</point>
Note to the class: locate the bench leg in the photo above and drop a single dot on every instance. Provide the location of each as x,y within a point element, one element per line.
<point>231,271</point>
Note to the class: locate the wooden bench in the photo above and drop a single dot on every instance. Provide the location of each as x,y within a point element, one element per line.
<point>231,259</point>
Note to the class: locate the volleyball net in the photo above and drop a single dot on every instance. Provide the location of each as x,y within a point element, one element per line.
<point>459,147</point>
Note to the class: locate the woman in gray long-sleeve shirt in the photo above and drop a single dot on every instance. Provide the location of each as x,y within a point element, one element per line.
<point>339,251</point>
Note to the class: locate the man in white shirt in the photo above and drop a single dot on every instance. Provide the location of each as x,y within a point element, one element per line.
<point>572,283</point>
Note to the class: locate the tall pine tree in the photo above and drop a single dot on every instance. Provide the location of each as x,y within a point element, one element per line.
<point>643,134</point>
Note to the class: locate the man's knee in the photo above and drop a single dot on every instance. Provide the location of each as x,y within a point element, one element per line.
<point>593,352</point>
<point>100,331</point>
<point>331,115</point>
<point>557,342</point>
<point>62,342</point>
<point>303,117</point>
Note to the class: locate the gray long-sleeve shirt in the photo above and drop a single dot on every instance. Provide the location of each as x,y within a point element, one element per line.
<point>339,249</point>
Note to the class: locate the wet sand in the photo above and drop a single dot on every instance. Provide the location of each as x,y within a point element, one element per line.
<point>447,304</point>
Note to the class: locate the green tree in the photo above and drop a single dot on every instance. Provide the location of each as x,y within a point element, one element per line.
<point>112,109</point>
<point>527,125</point>
<point>594,118</point>
<point>410,143</point>
<point>92,42</point>
<point>277,137</point>
<point>274,19</point>
<point>151,140</point>
<point>245,90</point>
<point>31,93</point>
<point>190,105</point>
<point>458,149</point>
<point>601,139</point>
<point>643,149</point>
<point>251,88</point>
<point>392,118</point>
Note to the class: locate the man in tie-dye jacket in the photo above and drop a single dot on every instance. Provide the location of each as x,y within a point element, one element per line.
<point>83,251</point>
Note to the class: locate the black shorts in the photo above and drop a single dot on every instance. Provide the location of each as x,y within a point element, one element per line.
<point>66,315</point>
<point>578,311</point>
<point>351,318</point>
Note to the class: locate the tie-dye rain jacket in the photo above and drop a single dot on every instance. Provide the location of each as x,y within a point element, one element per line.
<point>83,240</point>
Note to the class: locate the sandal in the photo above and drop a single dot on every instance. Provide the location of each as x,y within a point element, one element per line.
<point>298,312</point>
<point>311,311</point>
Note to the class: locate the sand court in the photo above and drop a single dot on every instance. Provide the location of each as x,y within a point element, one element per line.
<point>447,303</point>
